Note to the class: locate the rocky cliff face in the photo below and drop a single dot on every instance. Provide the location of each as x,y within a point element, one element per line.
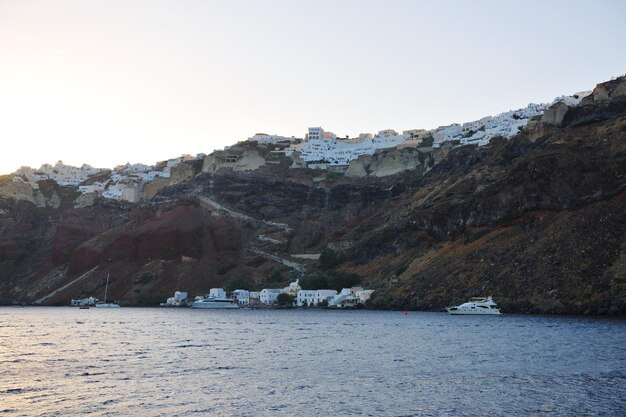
<point>538,221</point>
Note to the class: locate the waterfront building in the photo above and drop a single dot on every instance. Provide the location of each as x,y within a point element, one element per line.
<point>217,293</point>
<point>268,296</point>
<point>242,297</point>
<point>363,295</point>
<point>324,295</point>
<point>179,299</point>
<point>293,288</point>
<point>306,297</point>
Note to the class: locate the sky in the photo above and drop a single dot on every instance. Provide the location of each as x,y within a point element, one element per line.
<point>109,82</point>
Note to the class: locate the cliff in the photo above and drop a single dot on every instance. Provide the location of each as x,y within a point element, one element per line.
<point>538,221</point>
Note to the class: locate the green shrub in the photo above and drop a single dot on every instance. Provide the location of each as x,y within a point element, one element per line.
<point>149,300</point>
<point>285,299</point>
<point>333,280</point>
<point>238,284</point>
<point>222,269</point>
<point>328,259</point>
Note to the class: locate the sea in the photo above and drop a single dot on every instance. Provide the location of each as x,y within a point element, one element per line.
<point>61,361</point>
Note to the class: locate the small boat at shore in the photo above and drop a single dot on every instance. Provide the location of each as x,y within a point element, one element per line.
<point>105,303</point>
<point>476,306</point>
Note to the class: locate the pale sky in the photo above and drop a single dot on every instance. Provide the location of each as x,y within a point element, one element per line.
<point>109,82</point>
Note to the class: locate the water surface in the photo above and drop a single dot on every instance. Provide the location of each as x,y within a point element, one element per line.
<point>181,362</point>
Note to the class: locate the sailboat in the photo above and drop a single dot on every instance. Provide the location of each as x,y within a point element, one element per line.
<point>106,303</point>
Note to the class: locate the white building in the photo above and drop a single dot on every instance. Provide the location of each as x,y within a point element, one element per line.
<point>350,297</point>
<point>324,295</point>
<point>314,297</point>
<point>64,175</point>
<point>179,299</point>
<point>324,147</point>
<point>480,132</point>
<point>242,297</point>
<point>269,295</point>
<point>306,297</point>
<point>96,187</point>
<point>415,132</point>
<point>217,293</point>
<point>128,167</point>
<point>114,192</point>
<point>265,138</point>
<point>364,295</point>
<point>293,288</point>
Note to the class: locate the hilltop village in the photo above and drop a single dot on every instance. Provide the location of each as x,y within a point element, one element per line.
<point>382,154</point>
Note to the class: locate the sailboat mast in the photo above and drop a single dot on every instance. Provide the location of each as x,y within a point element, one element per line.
<point>106,288</point>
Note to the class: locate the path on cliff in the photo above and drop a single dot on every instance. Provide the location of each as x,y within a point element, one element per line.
<point>284,227</point>
<point>294,265</point>
<point>86,274</point>
<point>242,216</point>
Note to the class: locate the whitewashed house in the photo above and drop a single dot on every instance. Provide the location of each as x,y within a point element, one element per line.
<point>114,192</point>
<point>96,187</point>
<point>342,298</point>
<point>242,297</point>
<point>217,293</point>
<point>293,288</point>
<point>323,149</point>
<point>269,295</point>
<point>306,297</point>
<point>179,299</point>
<point>364,295</point>
<point>265,138</point>
<point>350,297</point>
<point>324,295</point>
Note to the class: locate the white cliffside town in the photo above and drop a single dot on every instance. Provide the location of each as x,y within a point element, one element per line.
<point>319,149</point>
<point>322,149</point>
<point>125,182</point>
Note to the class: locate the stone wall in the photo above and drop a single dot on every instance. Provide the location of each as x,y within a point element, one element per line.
<point>151,188</point>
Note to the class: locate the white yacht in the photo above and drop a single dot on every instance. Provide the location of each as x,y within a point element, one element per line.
<point>212,302</point>
<point>477,305</point>
<point>216,299</point>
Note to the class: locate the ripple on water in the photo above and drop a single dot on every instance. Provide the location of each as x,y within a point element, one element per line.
<point>153,362</point>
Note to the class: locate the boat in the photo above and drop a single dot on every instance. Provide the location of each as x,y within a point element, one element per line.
<point>215,302</point>
<point>105,303</point>
<point>216,299</point>
<point>476,306</point>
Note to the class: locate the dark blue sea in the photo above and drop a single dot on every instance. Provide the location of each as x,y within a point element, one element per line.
<point>180,362</point>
